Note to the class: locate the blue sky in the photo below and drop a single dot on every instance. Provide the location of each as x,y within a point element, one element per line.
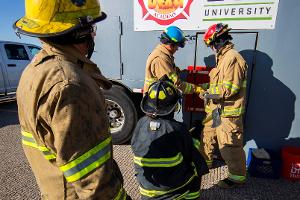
<point>10,11</point>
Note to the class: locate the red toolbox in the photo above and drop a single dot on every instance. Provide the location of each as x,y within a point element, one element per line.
<point>197,75</point>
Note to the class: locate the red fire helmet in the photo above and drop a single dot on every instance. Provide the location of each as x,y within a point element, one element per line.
<point>215,31</point>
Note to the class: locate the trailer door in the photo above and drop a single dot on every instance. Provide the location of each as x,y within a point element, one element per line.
<point>107,47</point>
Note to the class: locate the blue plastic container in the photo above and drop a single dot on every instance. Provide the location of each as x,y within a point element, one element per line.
<point>264,168</point>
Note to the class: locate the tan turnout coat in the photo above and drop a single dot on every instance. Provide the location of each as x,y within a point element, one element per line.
<point>65,130</point>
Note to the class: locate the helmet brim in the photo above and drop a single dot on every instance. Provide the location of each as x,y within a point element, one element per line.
<point>52,29</point>
<point>165,39</point>
<point>149,109</point>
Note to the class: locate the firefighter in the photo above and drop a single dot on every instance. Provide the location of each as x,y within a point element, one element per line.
<point>62,113</point>
<point>167,163</point>
<point>161,61</point>
<point>224,121</point>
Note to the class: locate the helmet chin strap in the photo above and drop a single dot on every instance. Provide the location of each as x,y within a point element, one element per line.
<point>221,42</point>
<point>217,47</point>
<point>91,46</point>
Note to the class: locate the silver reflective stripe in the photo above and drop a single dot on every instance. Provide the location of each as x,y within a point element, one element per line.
<point>154,193</point>
<point>90,160</point>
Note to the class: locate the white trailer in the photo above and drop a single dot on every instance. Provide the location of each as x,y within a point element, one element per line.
<point>265,32</point>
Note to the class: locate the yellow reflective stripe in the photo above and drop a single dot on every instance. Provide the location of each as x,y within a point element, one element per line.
<point>85,155</point>
<point>26,134</point>
<point>188,88</point>
<point>173,77</point>
<point>34,145</point>
<point>87,162</point>
<point>214,88</point>
<point>217,90</point>
<point>182,196</point>
<point>209,162</point>
<point>150,81</point>
<point>153,193</point>
<point>211,90</point>
<point>193,195</point>
<point>231,86</point>
<point>233,111</point>
<point>205,85</point>
<point>236,177</point>
<point>244,84</point>
<point>158,162</point>
<point>121,194</point>
<point>215,84</point>
<point>195,170</point>
<point>197,143</point>
<point>43,148</point>
<point>47,153</point>
<point>50,157</point>
<point>28,140</point>
<point>207,109</point>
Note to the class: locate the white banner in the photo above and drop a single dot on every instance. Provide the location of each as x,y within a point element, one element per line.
<point>200,14</point>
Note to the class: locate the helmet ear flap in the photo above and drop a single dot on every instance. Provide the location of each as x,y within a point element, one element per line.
<point>165,39</point>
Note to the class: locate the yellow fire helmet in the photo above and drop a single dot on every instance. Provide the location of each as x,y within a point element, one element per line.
<point>48,18</point>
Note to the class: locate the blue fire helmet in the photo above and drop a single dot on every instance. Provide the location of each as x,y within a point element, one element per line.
<point>173,35</point>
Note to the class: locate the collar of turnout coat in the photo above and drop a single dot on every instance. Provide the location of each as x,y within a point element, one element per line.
<point>223,50</point>
<point>163,49</point>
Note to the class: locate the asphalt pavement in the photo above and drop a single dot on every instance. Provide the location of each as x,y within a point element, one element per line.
<point>17,181</point>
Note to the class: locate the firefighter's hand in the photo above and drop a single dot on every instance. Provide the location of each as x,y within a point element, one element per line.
<point>199,90</point>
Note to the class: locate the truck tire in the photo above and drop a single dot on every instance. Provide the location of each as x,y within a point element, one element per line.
<point>121,113</point>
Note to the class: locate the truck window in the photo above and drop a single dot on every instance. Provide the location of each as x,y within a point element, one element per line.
<point>33,50</point>
<point>16,52</point>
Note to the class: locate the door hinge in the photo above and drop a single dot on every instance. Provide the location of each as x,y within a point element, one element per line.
<point>122,68</point>
<point>120,26</point>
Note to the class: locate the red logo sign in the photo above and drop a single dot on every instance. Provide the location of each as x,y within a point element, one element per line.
<point>165,12</point>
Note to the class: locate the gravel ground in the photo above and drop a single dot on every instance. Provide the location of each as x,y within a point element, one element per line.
<point>17,181</point>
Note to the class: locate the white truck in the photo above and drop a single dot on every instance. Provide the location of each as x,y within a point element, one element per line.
<point>14,57</point>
